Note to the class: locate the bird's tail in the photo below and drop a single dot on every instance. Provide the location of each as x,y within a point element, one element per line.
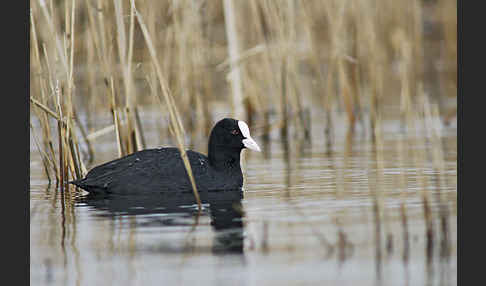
<point>78,183</point>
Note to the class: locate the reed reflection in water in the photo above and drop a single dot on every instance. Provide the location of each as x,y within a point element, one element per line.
<point>345,211</point>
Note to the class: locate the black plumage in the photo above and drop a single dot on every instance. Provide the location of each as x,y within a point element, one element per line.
<point>162,170</point>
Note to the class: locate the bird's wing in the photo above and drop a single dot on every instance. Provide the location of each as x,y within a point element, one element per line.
<point>147,171</point>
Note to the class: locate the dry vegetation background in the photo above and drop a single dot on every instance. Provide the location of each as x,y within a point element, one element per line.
<point>267,61</point>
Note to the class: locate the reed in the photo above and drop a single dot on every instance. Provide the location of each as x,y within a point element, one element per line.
<point>57,91</point>
<point>419,159</point>
<point>125,52</point>
<point>377,194</point>
<point>176,125</point>
<point>233,50</point>
<point>431,115</point>
<point>402,185</point>
<point>271,63</point>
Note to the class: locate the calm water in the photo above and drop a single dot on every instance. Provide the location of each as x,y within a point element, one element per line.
<point>306,218</point>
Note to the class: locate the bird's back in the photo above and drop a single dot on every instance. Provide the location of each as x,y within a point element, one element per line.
<point>155,171</point>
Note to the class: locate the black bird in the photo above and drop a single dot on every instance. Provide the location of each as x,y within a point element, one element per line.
<point>161,170</point>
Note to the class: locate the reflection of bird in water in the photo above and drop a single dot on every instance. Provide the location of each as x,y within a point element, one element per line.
<point>226,219</point>
<point>225,210</point>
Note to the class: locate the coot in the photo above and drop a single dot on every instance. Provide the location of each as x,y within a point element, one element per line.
<point>156,171</point>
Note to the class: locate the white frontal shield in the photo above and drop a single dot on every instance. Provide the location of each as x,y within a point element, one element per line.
<point>248,142</point>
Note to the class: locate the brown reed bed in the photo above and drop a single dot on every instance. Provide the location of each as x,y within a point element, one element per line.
<point>268,61</point>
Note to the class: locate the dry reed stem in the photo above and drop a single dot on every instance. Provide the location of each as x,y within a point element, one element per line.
<point>403,196</point>
<point>270,85</point>
<point>62,169</point>
<point>46,160</point>
<point>419,160</point>
<point>381,195</point>
<point>64,54</point>
<point>45,108</point>
<point>242,57</point>
<point>432,123</point>
<point>54,33</point>
<point>233,51</point>
<point>346,94</point>
<point>275,15</point>
<point>174,117</point>
<point>97,37</point>
<point>338,53</point>
<point>132,133</point>
<point>85,137</point>
<point>368,34</point>
<point>294,78</point>
<point>43,119</point>
<point>375,193</point>
<point>116,121</point>
<point>403,48</point>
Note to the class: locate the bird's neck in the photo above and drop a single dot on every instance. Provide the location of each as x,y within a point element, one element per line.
<point>225,159</point>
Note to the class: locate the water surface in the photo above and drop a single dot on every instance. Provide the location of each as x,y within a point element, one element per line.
<point>307,217</point>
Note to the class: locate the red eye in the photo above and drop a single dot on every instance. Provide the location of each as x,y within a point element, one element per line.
<point>234,132</point>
